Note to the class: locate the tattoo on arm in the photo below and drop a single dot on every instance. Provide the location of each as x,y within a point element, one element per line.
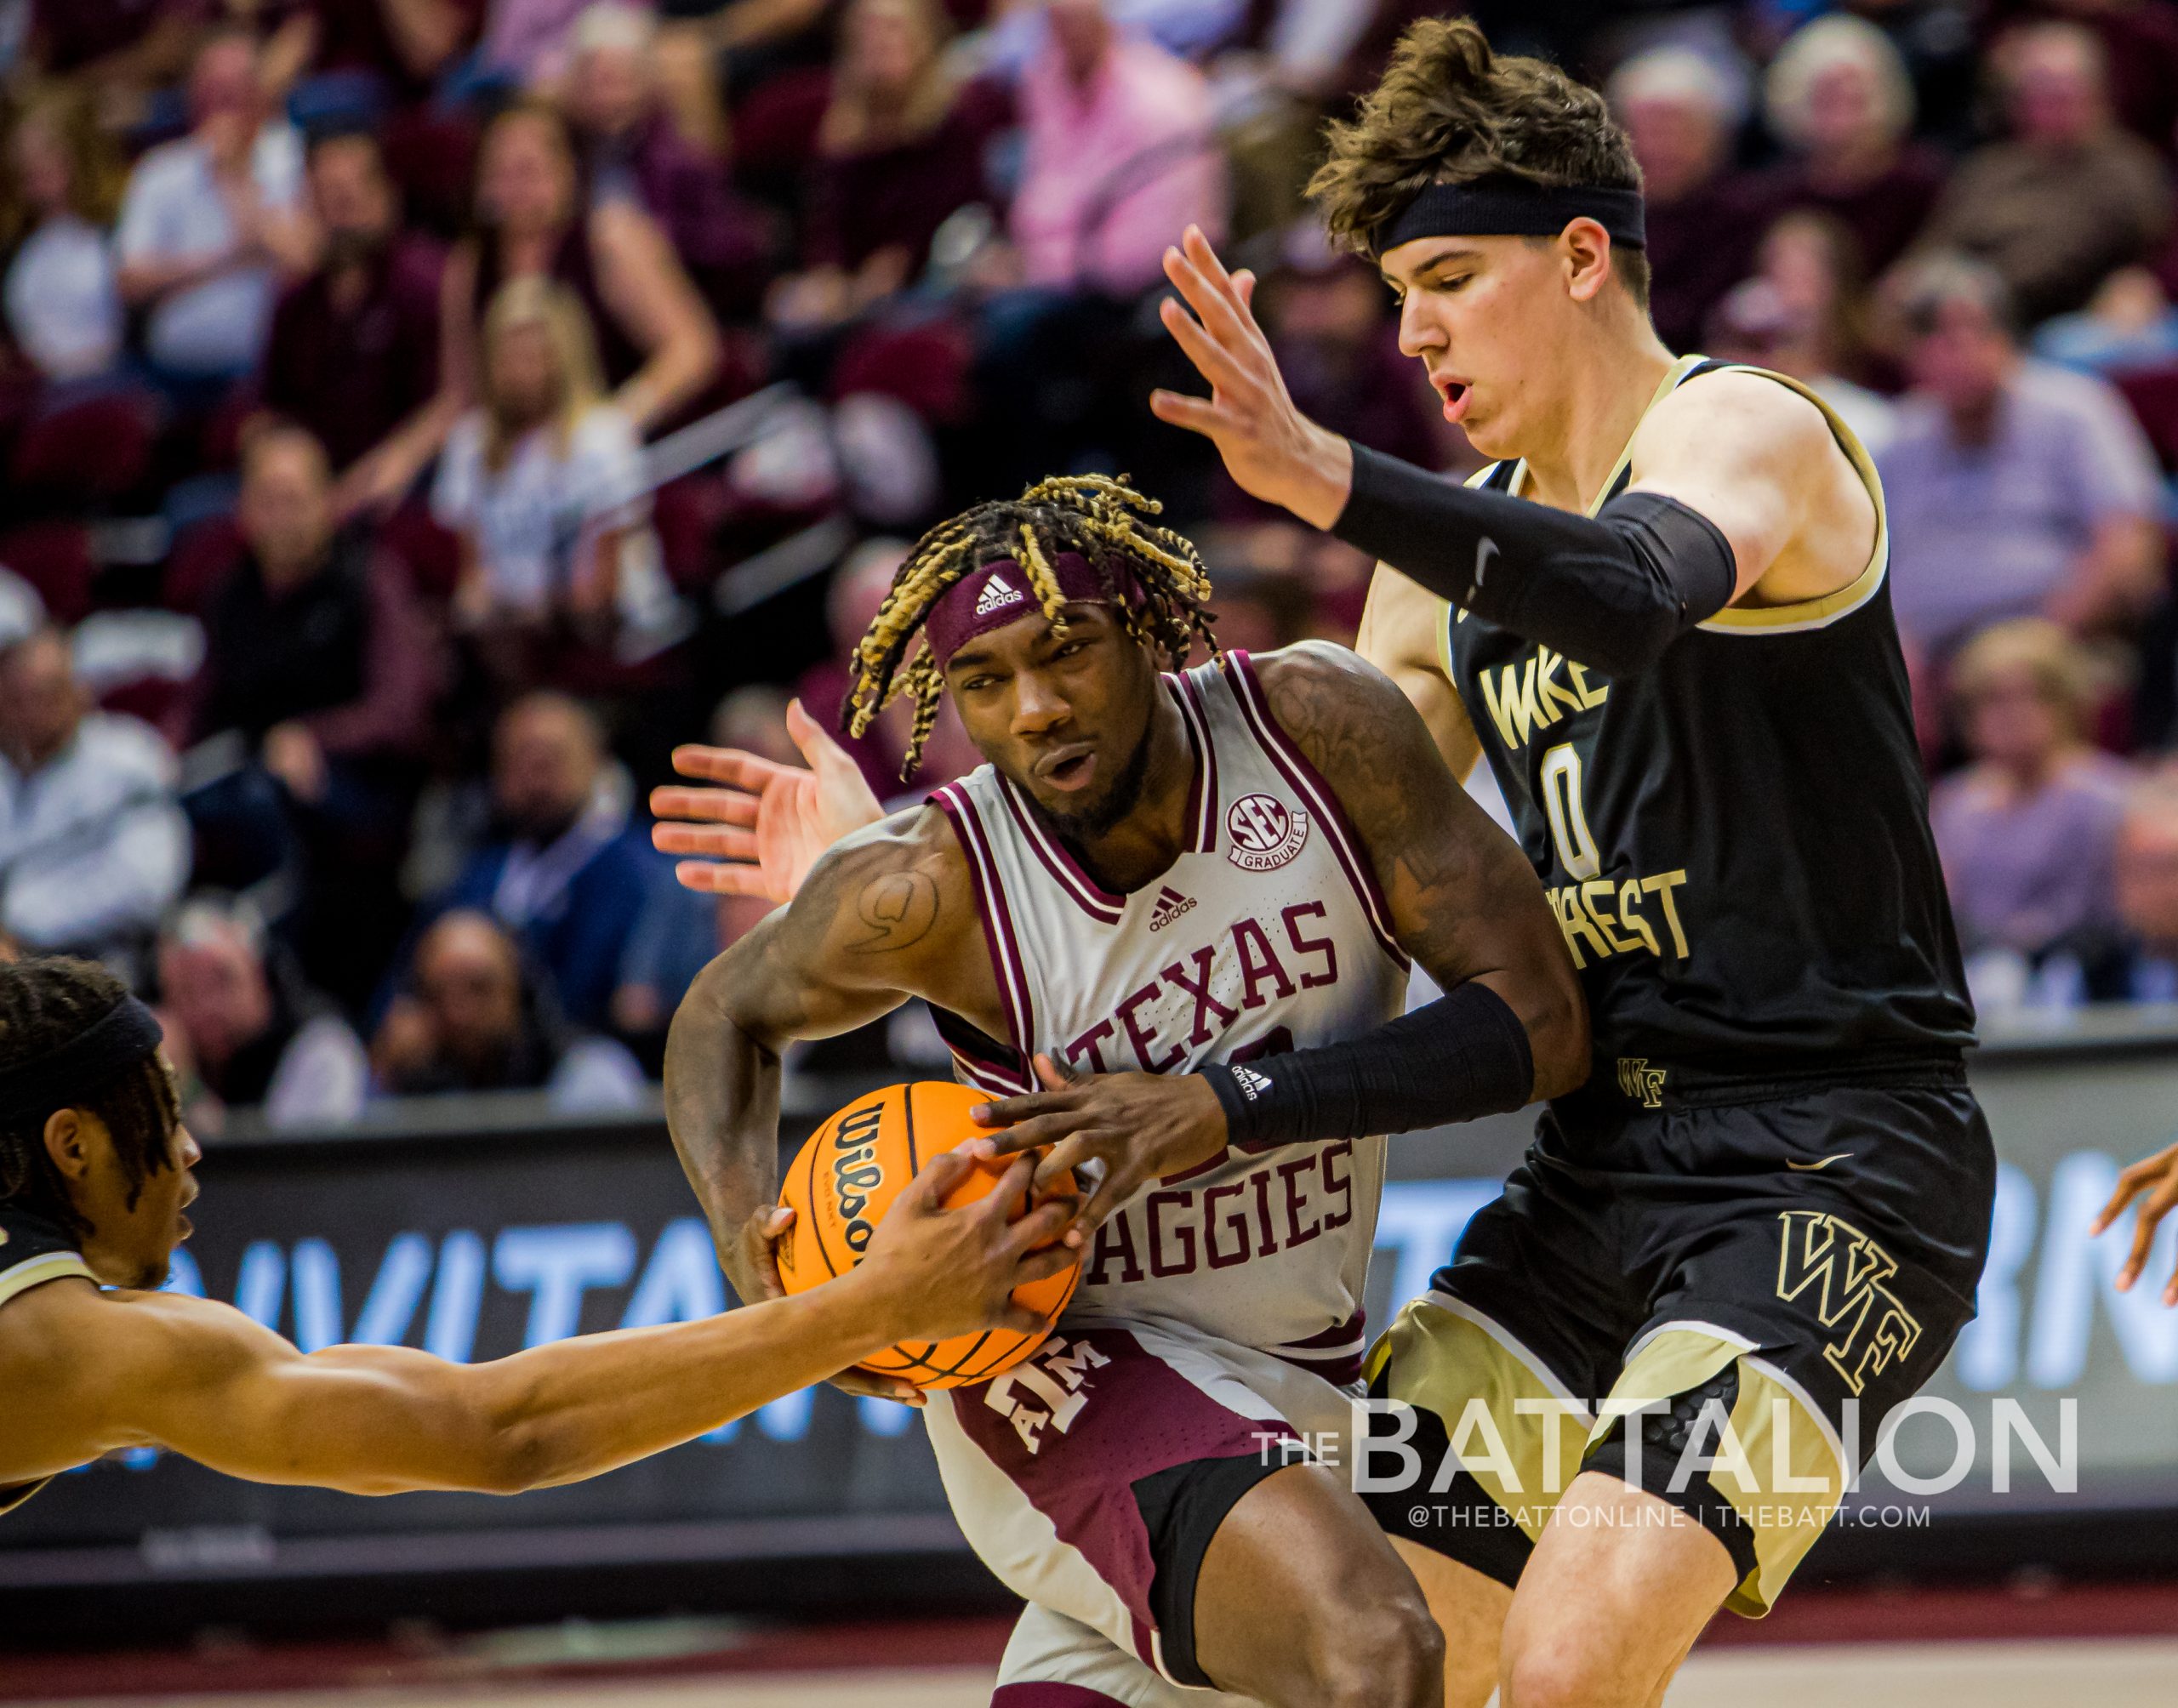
<point>899,908</point>
<point>1465,901</point>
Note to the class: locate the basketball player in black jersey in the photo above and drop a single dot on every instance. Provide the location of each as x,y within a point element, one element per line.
<point>96,1171</point>
<point>1663,617</point>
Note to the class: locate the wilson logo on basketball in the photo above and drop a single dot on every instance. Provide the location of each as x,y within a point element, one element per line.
<point>1171,904</point>
<point>1264,832</point>
<point>855,1172</point>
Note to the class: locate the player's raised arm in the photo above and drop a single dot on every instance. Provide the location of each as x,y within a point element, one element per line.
<point>759,826</point>
<point>876,917</point>
<point>1610,591</point>
<point>115,1370</point>
<point>1465,901</point>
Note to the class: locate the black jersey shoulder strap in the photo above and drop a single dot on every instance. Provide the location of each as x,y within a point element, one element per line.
<point>34,1250</point>
<point>1805,615</point>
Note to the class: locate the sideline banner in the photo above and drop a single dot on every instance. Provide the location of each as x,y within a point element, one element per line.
<point>473,1245</point>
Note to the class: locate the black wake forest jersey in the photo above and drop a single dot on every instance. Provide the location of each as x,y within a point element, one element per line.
<point>32,1250</point>
<point>1736,840</point>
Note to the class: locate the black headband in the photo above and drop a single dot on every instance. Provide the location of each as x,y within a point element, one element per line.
<point>79,1071</point>
<point>1513,208</point>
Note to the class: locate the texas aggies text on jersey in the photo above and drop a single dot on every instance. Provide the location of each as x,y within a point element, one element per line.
<point>1736,840</point>
<point>1267,934</point>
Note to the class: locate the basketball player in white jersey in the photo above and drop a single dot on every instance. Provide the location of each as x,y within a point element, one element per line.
<point>1158,873</point>
<point>1662,615</point>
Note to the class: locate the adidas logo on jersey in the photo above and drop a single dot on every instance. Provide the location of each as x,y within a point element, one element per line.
<point>1171,904</point>
<point>996,596</point>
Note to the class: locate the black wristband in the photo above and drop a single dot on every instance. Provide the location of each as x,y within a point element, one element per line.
<point>1462,1056</point>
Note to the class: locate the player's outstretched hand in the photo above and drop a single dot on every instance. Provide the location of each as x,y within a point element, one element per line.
<point>1271,449</point>
<point>2154,1182</point>
<point>760,831</point>
<point>941,1272</point>
<point>1139,1126</point>
<point>753,1266</point>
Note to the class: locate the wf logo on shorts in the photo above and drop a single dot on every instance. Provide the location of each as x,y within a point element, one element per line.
<point>1059,1376</point>
<point>1645,1084</point>
<point>1847,1271</point>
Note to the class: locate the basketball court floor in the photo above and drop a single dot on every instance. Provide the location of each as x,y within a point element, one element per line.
<point>2115,1673</point>
<point>2027,1646</point>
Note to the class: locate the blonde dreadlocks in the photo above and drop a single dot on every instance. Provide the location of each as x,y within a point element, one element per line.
<point>1102,519</point>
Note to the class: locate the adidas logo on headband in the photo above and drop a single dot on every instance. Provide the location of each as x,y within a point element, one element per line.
<point>996,596</point>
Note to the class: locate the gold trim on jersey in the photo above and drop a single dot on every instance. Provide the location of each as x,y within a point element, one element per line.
<point>52,1267</point>
<point>1669,384</point>
<point>1804,614</point>
<point>1800,615</point>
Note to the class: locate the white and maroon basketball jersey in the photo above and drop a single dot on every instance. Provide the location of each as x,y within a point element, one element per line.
<point>1267,934</point>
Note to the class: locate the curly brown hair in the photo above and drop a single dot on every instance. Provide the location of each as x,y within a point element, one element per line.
<point>44,1003</point>
<point>1449,111</point>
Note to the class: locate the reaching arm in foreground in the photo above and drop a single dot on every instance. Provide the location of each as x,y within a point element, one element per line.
<point>884,916</point>
<point>127,1369</point>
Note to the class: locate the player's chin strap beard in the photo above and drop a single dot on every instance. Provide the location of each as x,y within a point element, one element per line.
<point>1120,798</point>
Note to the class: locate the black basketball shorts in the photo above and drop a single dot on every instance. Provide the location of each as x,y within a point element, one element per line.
<point>1719,1302</point>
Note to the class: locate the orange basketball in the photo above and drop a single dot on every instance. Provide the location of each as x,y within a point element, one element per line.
<point>839,1186</point>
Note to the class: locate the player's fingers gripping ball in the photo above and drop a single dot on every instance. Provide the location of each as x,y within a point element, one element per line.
<point>845,1179</point>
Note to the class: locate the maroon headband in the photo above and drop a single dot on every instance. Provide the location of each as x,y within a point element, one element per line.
<point>998,594</point>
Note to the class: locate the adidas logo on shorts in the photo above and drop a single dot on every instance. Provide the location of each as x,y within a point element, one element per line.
<point>996,596</point>
<point>1171,904</point>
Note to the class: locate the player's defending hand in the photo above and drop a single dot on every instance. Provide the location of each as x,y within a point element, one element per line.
<point>1139,1126</point>
<point>752,1264</point>
<point>759,833</point>
<point>2157,1176</point>
<point>935,1271</point>
<point>1272,450</point>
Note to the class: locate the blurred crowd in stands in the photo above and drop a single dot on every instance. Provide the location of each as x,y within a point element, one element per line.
<point>417,416</point>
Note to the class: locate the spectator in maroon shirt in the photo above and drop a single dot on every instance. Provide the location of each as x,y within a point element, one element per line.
<point>1838,97</point>
<point>398,49</point>
<point>2139,40</point>
<point>2070,195</point>
<point>1703,223</point>
<point>354,352</point>
<point>633,150</point>
<point>900,148</point>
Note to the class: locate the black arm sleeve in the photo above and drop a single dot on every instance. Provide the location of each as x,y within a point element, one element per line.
<point>1609,591</point>
<point>1462,1056</point>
